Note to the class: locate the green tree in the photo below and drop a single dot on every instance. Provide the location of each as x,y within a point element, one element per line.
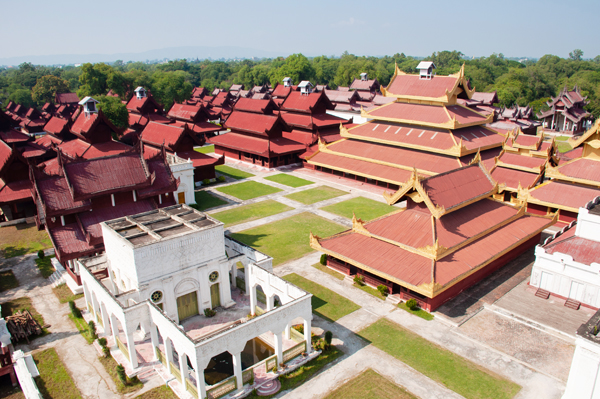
<point>115,111</point>
<point>23,97</point>
<point>47,87</point>
<point>297,67</point>
<point>93,79</point>
<point>576,54</point>
<point>169,87</point>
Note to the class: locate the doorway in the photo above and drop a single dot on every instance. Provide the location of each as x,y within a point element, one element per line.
<point>215,296</point>
<point>576,291</point>
<point>187,305</point>
<point>546,283</point>
<point>181,198</point>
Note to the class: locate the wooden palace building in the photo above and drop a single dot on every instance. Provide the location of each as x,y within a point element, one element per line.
<point>451,235</point>
<point>566,113</point>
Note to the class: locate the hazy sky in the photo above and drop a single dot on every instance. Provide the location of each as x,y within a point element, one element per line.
<point>514,28</point>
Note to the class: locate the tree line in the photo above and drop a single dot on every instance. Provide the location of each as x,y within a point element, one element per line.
<point>520,83</point>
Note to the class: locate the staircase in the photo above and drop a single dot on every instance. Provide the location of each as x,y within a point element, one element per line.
<point>269,388</point>
<point>147,374</point>
<point>57,278</point>
<point>572,304</point>
<point>540,293</point>
<point>393,299</point>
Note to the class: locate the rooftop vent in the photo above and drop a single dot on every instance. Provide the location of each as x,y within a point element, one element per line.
<point>305,87</point>
<point>140,93</point>
<point>287,82</point>
<point>89,105</point>
<point>363,76</point>
<point>426,69</point>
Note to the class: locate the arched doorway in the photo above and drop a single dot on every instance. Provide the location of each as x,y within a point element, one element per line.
<point>215,296</point>
<point>187,305</point>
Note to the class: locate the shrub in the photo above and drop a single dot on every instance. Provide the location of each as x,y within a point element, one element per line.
<point>74,310</point>
<point>205,182</point>
<point>208,312</point>
<point>412,304</point>
<point>121,374</point>
<point>359,280</point>
<point>102,342</point>
<point>383,289</point>
<point>41,254</point>
<point>324,259</point>
<point>274,369</point>
<point>328,337</point>
<point>299,328</point>
<point>106,351</point>
<point>92,328</point>
<point>221,179</point>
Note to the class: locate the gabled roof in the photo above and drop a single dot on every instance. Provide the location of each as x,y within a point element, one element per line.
<point>144,105</point>
<point>89,127</point>
<point>485,98</point>
<point>14,136</point>
<point>337,96</point>
<point>254,123</point>
<point>56,126</point>
<point>579,170</point>
<point>555,194</point>
<point>592,134</point>
<point>365,85</point>
<point>281,91</point>
<point>307,103</point>
<point>55,196</point>
<point>164,181</point>
<point>199,92</point>
<point>66,98</point>
<point>258,145</point>
<point>14,191</point>
<point>189,113</point>
<point>257,106</point>
<point>157,134</point>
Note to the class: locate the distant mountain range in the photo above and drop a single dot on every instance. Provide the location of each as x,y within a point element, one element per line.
<point>172,53</point>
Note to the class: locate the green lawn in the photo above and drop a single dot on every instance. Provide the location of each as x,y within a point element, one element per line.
<point>250,212</point>
<point>110,365</point>
<point>7,280</point>
<point>45,266</point>
<point>64,294</point>
<point>54,381</point>
<point>325,302</point>
<point>329,271</point>
<point>288,239</point>
<point>206,149</point>
<point>372,385</point>
<point>205,200</point>
<point>232,172</point>
<point>82,327</point>
<point>248,190</point>
<point>161,392</point>
<point>364,208</point>
<point>22,239</point>
<point>418,312</point>
<point>454,372</point>
<point>289,180</point>
<point>370,290</point>
<point>23,303</point>
<point>314,195</point>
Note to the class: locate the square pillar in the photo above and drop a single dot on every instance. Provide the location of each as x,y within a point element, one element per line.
<point>131,348</point>
<point>288,333</point>
<point>270,301</point>
<point>237,369</point>
<point>200,385</point>
<point>113,327</point>
<point>183,368</point>
<point>105,320</point>
<point>307,335</point>
<point>168,354</point>
<point>253,300</point>
<point>278,347</point>
<point>154,340</point>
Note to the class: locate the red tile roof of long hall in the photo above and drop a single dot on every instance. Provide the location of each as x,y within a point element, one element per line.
<point>522,160</point>
<point>83,123</point>
<point>256,145</point>
<point>296,101</point>
<point>47,140</point>
<point>56,197</point>
<point>185,111</point>
<point>281,91</point>
<point>14,191</point>
<point>457,187</point>
<point>164,181</point>
<point>67,98</point>
<point>70,241</point>
<point>200,127</point>
<point>307,121</point>
<point>582,168</point>
<point>157,134</point>
<point>256,106</point>
<point>55,125</point>
<point>359,84</point>
<point>564,194</point>
<point>406,157</point>
<point>429,114</point>
<point>199,160</point>
<point>137,119</point>
<point>250,122</point>
<point>526,140</point>
<point>5,154</point>
<point>413,85</point>
<point>581,249</point>
<point>13,136</point>
<point>361,168</point>
<point>122,172</point>
<point>32,150</point>
<point>513,177</point>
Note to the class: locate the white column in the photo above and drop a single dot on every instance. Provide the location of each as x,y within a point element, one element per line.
<point>288,333</point>
<point>307,335</point>
<point>253,300</point>
<point>233,273</point>
<point>154,340</point>
<point>278,347</point>
<point>183,368</point>
<point>168,354</point>
<point>270,300</point>
<point>114,328</point>
<point>87,296</point>
<point>131,348</point>
<point>237,369</point>
<point>105,320</point>
<point>200,386</point>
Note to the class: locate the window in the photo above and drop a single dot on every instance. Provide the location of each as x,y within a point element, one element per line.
<point>156,296</point>
<point>214,276</point>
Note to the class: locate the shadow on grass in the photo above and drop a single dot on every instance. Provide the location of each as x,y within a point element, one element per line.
<point>12,251</point>
<point>316,304</point>
<point>248,239</point>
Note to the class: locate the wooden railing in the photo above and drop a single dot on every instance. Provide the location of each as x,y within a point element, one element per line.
<point>175,371</point>
<point>259,311</point>
<point>222,388</point>
<point>294,351</point>
<point>99,319</point>
<point>191,388</point>
<point>247,375</point>
<point>91,309</point>
<point>270,362</point>
<point>296,336</point>
<point>122,347</point>
<point>161,356</point>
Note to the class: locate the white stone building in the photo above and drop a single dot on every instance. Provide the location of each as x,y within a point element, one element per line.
<point>584,377</point>
<point>567,265</point>
<point>184,170</point>
<point>162,270</point>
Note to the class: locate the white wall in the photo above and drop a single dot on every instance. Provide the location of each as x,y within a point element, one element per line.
<point>584,380</point>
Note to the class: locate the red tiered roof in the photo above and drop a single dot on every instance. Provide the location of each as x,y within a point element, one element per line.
<point>186,112</point>
<point>80,148</point>
<point>256,145</point>
<point>14,191</point>
<point>582,168</point>
<point>171,135</point>
<point>13,136</point>
<point>281,91</point>
<point>413,85</point>
<point>564,194</point>
<point>56,125</point>
<point>56,197</point>
<point>428,114</point>
<point>257,106</point>
<point>513,178</point>
<point>307,103</point>
<point>265,125</point>
<point>522,161</point>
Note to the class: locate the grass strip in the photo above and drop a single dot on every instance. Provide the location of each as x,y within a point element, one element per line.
<point>8,280</point>
<point>329,271</point>
<point>82,327</point>
<point>325,302</point>
<point>289,180</point>
<point>364,208</point>
<point>246,213</point>
<point>161,392</point>
<point>54,381</point>
<point>314,195</point>
<point>133,384</point>
<point>370,290</point>
<point>287,239</point>
<point>232,172</point>
<point>417,312</point>
<point>248,190</point>
<point>45,266</point>
<point>370,384</point>
<point>22,239</point>
<point>64,294</point>
<point>455,372</point>
<point>206,149</point>
<point>205,200</point>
